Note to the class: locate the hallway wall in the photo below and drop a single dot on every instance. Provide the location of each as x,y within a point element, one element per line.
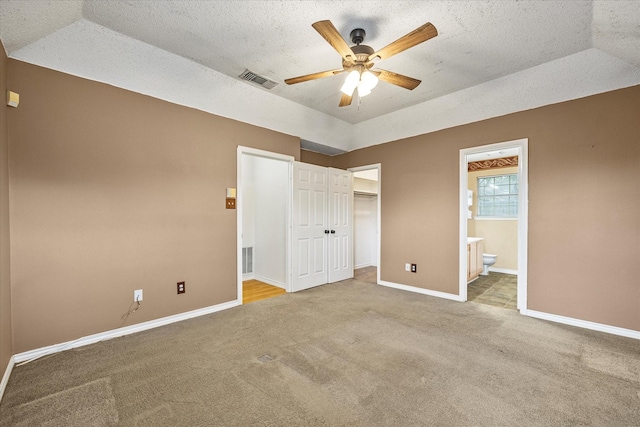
<point>270,189</point>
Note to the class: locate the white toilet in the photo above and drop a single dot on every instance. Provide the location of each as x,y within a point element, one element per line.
<point>487,261</point>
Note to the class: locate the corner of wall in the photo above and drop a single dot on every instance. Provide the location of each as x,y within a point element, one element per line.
<point>6,338</point>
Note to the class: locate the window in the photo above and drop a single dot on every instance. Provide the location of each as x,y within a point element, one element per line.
<point>498,196</point>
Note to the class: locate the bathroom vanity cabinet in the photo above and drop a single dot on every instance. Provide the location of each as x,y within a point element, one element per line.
<point>475,249</point>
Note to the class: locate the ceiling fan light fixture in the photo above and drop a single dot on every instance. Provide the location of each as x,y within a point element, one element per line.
<point>350,83</point>
<point>356,60</point>
<point>363,90</point>
<point>369,79</point>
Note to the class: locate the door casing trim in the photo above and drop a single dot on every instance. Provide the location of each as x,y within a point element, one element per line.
<point>241,151</point>
<point>523,214</point>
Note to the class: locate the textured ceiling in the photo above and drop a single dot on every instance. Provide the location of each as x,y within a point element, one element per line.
<point>198,48</point>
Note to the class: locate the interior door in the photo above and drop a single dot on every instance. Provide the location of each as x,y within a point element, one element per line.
<point>309,223</point>
<point>340,225</point>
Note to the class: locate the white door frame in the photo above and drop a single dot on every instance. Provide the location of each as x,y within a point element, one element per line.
<point>377,166</point>
<point>241,151</point>
<point>523,214</point>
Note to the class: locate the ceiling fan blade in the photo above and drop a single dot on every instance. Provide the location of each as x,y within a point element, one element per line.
<point>397,79</point>
<point>313,76</point>
<point>331,35</point>
<point>345,100</point>
<point>415,37</point>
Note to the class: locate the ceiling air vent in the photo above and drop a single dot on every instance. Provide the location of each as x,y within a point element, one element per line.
<point>252,77</point>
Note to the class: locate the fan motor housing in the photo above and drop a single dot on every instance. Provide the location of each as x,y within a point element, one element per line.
<point>362,53</point>
<point>362,49</point>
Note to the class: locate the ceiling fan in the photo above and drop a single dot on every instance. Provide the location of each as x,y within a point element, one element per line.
<point>358,60</point>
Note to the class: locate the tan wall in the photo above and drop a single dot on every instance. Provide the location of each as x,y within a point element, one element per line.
<point>113,191</point>
<point>584,205</point>
<point>314,158</point>
<point>500,236</point>
<point>6,344</point>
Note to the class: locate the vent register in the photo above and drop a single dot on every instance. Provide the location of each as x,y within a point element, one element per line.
<point>257,79</point>
<point>247,260</point>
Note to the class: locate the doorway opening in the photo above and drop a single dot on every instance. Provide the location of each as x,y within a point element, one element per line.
<point>254,290</point>
<point>366,221</point>
<point>263,207</point>
<point>294,222</point>
<point>493,224</point>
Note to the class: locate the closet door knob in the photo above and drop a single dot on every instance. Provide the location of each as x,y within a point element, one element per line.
<point>326,231</point>
<point>333,231</point>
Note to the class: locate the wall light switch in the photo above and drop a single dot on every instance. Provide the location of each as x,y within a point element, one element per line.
<point>13,99</point>
<point>407,267</point>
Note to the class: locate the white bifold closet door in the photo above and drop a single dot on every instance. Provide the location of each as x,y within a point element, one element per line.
<point>322,226</point>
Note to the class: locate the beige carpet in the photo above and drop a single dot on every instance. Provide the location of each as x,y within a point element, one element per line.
<point>346,354</point>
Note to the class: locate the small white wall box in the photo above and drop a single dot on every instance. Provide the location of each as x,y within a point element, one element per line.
<point>469,197</point>
<point>13,99</point>
<point>231,198</point>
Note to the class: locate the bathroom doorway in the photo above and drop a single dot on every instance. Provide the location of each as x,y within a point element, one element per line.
<point>493,224</point>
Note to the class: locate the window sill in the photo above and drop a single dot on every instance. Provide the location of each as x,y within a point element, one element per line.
<point>495,218</point>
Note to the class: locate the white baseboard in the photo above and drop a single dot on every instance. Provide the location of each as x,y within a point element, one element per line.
<point>248,276</point>
<point>115,333</point>
<point>355,267</point>
<point>503,270</point>
<point>421,291</point>
<point>629,333</point>
<point>270,282</point>
<point>5,377</point>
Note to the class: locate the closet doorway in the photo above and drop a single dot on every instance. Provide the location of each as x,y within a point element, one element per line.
<point>294,222</point>
<point>366,220</point>
<point>322,226</point>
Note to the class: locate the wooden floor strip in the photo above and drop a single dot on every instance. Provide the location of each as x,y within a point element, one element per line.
<point>254,290</point>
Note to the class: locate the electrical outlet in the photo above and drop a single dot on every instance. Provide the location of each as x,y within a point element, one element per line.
<point>181,288</point>
<point>137,295</point>
<point>407,267</point>
<point>414,268</point>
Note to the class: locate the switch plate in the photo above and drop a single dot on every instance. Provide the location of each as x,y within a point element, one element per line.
<point>181,288</point>
<point>137,295</point>
<point>407,267</point>
<point>414,268</point>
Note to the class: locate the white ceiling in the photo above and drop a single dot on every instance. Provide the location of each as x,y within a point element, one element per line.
<point>490,58</point>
